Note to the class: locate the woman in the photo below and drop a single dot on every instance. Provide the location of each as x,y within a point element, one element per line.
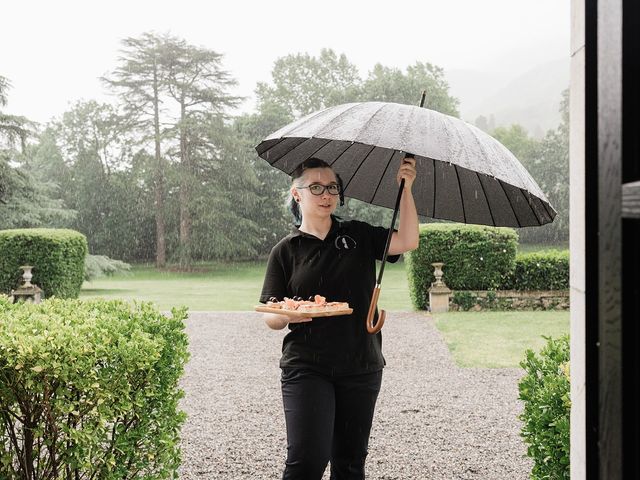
<point>331,366</point>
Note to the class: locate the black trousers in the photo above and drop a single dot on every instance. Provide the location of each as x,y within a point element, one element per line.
<point>328,419</point>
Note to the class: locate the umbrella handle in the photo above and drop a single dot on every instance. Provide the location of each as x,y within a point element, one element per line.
<point>371,328</point>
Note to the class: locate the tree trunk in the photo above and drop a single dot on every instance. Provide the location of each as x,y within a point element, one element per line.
<point>185,193</point>
<point>161,255</point>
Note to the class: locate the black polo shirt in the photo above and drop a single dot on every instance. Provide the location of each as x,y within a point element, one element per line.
<point>342,268</point>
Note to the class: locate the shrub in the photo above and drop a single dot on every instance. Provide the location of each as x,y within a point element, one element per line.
<point>90,390</point>
<point>475,258</point>
<point>547,270</point>
<point>545,391</point>
<point>465,300</point>
<point>57,256</point>
<point>96,266</point>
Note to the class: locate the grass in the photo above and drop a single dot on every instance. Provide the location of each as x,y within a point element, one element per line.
<point>498,339</point>
<point>220,286</point>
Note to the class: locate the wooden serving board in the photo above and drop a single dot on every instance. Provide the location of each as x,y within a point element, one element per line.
<point>296,314</point>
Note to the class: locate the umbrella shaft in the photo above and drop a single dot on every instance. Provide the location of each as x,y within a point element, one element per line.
<point>393,223</point>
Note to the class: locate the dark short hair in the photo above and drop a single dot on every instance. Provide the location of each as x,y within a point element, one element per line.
<point>308,164</point>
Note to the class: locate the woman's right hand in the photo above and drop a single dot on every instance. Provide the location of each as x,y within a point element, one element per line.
<point>276,321</point>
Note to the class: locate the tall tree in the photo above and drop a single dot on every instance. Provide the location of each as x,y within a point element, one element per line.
<point>303,83</point>
<point>387,84</point>
<point>139,79</point>
<point>26,196</point>
<point>199,86</point>
<point>13,128</point>
<point>88,152</point>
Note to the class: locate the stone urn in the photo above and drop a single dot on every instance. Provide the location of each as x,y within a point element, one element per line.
<point>439,293</point>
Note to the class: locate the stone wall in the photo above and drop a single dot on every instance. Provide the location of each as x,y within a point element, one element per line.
<point>510,300</point>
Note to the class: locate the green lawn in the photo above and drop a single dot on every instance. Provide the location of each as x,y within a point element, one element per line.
<point>498,339</point>
<point>221,287</point>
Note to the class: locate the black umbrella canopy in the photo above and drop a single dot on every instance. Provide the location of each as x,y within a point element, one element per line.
<point>464,174</point>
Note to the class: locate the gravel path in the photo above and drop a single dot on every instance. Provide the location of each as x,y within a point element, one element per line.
<point>433,420</point>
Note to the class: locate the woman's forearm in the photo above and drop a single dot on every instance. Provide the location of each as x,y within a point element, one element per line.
<point>407,236</point>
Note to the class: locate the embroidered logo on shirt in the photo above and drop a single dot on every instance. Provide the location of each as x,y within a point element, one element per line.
<point>345,242</point>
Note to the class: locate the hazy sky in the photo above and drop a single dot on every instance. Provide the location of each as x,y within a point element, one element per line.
<point>54,51</point>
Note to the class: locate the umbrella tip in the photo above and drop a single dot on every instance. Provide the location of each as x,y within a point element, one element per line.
<point>423,98</point>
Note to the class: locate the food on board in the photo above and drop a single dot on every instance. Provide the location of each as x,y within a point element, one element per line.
<point>315,304</point>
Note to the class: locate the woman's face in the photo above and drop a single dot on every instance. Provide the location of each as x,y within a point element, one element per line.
<point>311,205</point>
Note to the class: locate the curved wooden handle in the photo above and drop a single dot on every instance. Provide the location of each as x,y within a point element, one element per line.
<point>371,328</point>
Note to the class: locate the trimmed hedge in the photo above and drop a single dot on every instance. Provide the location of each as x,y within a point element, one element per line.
<point>475,258</point>
<point>545,390</point>
<point>57,255</point>
<point>90,389</point>
<point>547,270</point>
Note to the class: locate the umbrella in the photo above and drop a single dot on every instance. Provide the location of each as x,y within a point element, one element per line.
<point>464,174</point>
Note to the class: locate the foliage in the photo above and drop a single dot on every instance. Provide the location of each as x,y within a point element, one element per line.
<point>175,96</point>
<point>13,128</point>
<point>90,390</point>
<point>272,220</point>
<point>96,266</point>
<point>464,299</point>
<point>545,391</point>
<point>27,197</point>
<point>547,270</point>
<point>57,256</point>
<point>547,160</point>
<point>386,84</point>
<point>474,257</point>
<point>303,83</point>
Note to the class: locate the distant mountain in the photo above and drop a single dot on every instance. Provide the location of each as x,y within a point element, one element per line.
<point>531,99</point>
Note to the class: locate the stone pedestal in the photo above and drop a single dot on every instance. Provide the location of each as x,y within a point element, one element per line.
<point>27,292</point>
<point>439,293</point>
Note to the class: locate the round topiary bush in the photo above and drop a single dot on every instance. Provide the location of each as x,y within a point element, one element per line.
<point>57,255</point>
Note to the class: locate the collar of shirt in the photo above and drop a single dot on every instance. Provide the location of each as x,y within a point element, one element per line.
<point>335,226</point>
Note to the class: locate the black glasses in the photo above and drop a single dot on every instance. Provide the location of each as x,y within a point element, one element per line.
<point>318,188</point>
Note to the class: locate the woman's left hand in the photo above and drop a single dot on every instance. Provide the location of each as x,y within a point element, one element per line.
<point>407,171</point>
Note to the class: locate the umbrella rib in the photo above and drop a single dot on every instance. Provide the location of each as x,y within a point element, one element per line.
<point>435,185</point>
<point>341,153</point>
<point>510,204</point>
<point>544,204</point>
<point>484,192</point>
<point>326,141</point>
<point>464,215</point>
<point>375,190</point>
<point>524,193</point>
<point>361,163</point>
<point>282,139</point>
